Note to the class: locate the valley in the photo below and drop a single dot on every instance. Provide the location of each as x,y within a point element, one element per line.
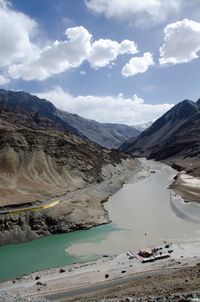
<point>99,151</point>
<point>54,180</point>
<point>164,220</point>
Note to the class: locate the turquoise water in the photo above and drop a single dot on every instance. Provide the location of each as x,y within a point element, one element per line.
<point>142,212</point>
<point>24,258</point>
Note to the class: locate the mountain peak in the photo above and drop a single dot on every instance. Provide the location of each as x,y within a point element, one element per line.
<point>182,110</point>
<point>174,133</point>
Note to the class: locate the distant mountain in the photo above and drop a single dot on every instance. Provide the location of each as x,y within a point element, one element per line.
<point>107,135</point>
<point>35,112</point>
<point>176,133</point>
<point>40,153</point>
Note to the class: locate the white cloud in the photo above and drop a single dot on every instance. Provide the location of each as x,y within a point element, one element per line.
<point>4,80</point>
<point>71,53</point>
<point>107,108</point>
<point>22,57</point>
<point>57,57</point>
<point>140,12</point>
<point>16,31</point>
<point>138,65</point>
<point>181,42</point>
<point>105,51</point>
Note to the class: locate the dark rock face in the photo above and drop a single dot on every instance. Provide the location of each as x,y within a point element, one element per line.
<point>176,133</point>
<point>22,227</point>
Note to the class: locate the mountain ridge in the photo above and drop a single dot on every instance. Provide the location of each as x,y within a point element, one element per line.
<point>108,135</point>
<point>176,133</point>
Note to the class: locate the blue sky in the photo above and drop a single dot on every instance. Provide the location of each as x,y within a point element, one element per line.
<point>113,61</point>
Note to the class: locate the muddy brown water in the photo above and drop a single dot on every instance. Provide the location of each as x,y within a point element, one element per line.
<point>143,213</point>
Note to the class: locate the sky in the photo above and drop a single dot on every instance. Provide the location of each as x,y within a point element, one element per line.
<point>112,61</point>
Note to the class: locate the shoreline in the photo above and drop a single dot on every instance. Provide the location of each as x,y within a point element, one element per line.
<point>186,183</point>
<point>185,188</point>
<point>84,274</point>
<point>78,210</point>
<point>48,282</point>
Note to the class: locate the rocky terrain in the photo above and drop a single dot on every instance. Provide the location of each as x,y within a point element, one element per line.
<point>42,157</point>
<point>106,135</point>
<point>182,285</point>
<point>176,133</point>
<point>175,139</point>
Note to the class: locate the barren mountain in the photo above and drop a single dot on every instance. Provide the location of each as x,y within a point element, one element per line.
<point>105,134</point>
<point>43,157</point>
<point>175,139</point>
<point>176,133</point>
<point>108,135</point>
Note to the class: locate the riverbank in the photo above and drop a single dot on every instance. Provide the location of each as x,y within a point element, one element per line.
<point>187,186</point>
<point>135,228</point>
<point>80,209</point>
<point>180,285</point>
<point>187,181</point>
<point>53,283</point>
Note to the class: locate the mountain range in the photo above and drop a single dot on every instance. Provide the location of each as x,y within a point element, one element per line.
<point>176,134</point>
<point>108,135</point>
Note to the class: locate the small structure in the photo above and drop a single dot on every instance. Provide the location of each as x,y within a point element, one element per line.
<point>151,254</point>
<point>146,253</point>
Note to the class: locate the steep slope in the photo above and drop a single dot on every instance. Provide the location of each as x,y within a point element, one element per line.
<point>107,135</point>
<point>52,179</point>
<point>33,111</point>
<point>176,133</point>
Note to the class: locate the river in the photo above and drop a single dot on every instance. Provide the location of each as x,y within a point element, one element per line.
<point>143,213</point>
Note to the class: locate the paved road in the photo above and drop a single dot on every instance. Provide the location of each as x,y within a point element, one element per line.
<point>59,296</point>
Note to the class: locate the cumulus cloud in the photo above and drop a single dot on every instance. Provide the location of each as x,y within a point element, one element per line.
<point>181,42</point>
<point>138,65</point>
<point>142,12</point>
<point>4,80</point>
<point>23,57</point>
<point>117,109</point>
<point>71,53</point>
<point>57,57</point>
<point>16,32</point>
<point>105,51</point>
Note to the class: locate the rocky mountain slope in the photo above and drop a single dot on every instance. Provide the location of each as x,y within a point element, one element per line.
<point>42,157</point>
<point>176,133</point>
<point>108,135</point>
<point>175,139</point>
<point>105,134</point>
